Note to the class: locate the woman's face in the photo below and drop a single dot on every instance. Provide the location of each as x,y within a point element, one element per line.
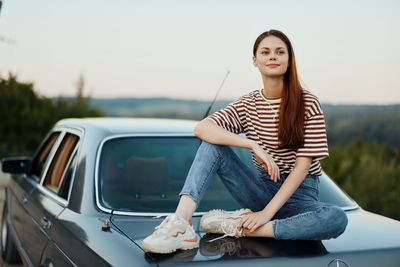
<point>272,57</point>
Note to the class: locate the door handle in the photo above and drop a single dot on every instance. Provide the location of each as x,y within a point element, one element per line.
<point>48,263</point>
<point>24,200</point>
<point>45,223</point>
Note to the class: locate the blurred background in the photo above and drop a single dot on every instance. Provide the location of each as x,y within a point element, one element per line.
<point>167,59</point>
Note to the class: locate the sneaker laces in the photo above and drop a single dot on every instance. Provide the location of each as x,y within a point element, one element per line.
<point>229,229</point>
<point>166,225</point>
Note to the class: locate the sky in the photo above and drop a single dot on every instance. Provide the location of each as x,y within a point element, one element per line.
<point>347,52</point>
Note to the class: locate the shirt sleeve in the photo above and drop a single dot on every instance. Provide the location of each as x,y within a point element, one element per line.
<point>229,117</point>
<point>315,138</point>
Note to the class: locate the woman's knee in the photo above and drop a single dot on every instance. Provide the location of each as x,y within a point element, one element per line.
<point>212,149</point>
<point>209,147</point>
<point>336,221</point>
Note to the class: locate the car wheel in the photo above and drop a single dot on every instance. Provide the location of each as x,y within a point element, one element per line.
<point>9,252</point>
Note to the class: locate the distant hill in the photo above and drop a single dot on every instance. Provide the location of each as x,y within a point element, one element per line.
<point>379,123</point>
<point>156,107</point>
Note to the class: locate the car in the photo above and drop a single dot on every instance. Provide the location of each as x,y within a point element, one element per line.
<point>96,187</point>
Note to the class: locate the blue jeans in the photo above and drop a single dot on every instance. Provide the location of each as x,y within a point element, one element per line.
<point>302,217</point>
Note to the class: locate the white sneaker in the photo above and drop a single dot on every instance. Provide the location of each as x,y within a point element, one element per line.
<point>172,234</point>
<point>223,222</point>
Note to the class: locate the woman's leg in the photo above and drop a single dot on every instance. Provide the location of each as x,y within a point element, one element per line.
<point>186,207</point>
<point>248,189</point>
<point>316,221</point>
<point>176,231</point>
<point>304,217</point>
<point>266,230</point>
<point>320,221</point>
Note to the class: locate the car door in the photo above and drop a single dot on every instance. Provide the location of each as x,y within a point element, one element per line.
<point>20,190</point>
<point>51,198</point>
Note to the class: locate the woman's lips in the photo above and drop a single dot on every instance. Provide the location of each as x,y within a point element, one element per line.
<point>273,65</point>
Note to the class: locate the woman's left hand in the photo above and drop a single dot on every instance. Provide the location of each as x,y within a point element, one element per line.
<point>252,221</point>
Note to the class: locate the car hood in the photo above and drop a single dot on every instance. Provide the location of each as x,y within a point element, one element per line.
<point>369,240</point>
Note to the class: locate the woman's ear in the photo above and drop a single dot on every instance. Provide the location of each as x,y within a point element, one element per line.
<point>254,61</point>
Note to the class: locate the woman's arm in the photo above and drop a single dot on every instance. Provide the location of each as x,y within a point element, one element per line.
<point>254,220</point>
<point>292,182</point>
<point>210,132</point>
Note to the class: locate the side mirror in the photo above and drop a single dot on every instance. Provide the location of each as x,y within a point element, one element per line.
<point>16,165</point>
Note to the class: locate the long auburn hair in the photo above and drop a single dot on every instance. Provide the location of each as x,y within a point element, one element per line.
<point>291,112</point>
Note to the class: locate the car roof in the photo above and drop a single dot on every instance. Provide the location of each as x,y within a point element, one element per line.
<point>131,125</point>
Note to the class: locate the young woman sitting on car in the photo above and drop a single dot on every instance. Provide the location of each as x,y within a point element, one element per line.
<point>285,129</point>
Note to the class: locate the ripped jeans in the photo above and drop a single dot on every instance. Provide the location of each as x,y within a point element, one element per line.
<point>302,217</point>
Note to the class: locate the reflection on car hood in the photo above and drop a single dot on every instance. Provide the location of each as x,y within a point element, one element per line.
<point>369,240</point>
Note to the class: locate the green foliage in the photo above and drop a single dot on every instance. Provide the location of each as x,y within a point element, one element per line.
<point>369,173</point>
<point>27,116</point>
<point>370,122</point>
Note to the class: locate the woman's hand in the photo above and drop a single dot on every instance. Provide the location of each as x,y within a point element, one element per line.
<point>252,221</point>
<point>266,161</point>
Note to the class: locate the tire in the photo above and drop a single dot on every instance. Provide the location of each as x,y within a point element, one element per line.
<point>9,252</point>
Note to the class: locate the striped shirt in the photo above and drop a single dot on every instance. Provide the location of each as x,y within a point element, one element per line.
<point>258,118</point>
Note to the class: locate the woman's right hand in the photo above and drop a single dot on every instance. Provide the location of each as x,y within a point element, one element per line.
<point>266,162</point>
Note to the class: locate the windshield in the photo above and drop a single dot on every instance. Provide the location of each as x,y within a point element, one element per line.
<point>146,174</point>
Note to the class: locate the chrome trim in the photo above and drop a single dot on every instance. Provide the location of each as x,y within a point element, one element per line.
<point>338,263</point>
<point>153,214</point>
<point>80,133</point>
<point>64,254</point>
<point>53,195</point>
<point>78,154</point>
<point>70,161</point>
<point>96,175</point>
<point>70,128</point>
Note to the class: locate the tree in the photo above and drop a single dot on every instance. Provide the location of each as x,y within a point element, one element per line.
<point>369,173</point>
<point>28,116</point>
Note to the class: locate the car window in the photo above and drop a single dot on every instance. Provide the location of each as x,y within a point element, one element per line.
<point>42,155</point>
<point>66,181</point>
<point>58,166</point>
<point>146,175</point>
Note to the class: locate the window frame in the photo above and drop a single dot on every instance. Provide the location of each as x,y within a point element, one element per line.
<point>96,176</point>
<point>73,157</point>
<point>57,154</point>
<point>76,152</point>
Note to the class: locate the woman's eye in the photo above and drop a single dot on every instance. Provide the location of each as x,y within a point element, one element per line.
<point>264,53</point>
<point>281,52</point>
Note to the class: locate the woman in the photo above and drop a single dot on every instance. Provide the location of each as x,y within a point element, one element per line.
<point>285,130</point>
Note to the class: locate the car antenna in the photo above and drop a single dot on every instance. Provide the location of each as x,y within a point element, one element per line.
<point>106,225</point>
<point>216,95</point>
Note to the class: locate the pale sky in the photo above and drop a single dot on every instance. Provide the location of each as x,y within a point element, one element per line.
<point>346,51</point>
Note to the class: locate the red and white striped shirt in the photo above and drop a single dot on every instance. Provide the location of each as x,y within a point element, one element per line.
<point>258,118</point>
